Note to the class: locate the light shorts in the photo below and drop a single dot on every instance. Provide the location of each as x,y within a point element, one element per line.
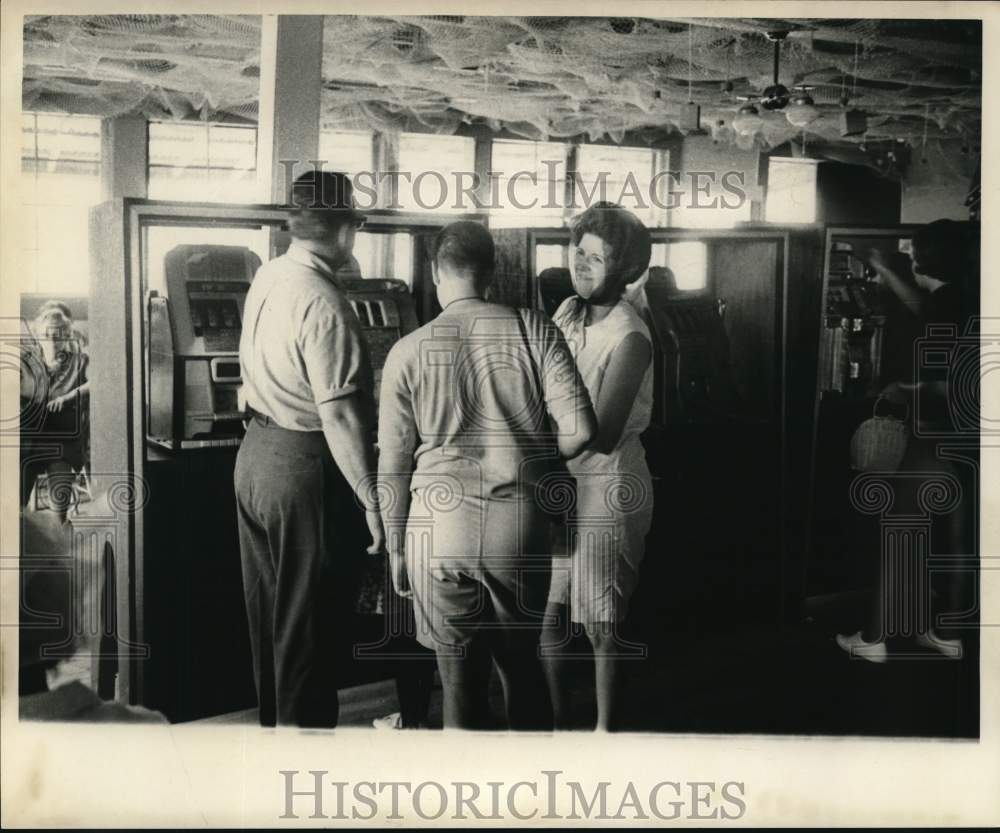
<point>478,565</point>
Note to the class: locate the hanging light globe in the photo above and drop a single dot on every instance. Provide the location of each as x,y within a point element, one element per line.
<point>747,120</point>
<point>801,111</point>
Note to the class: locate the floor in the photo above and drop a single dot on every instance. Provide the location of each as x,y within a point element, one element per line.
<point>721,669</point>
<point>755,680</point>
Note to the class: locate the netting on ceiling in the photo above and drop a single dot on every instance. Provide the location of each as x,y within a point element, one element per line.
<point>537,77</point>
<point>164,66</point>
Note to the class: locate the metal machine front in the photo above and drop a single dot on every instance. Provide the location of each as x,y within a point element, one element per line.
<point>193,344</point>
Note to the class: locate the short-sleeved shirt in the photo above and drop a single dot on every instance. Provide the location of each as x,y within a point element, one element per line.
<point>302,344</point>
<point>462,397</point>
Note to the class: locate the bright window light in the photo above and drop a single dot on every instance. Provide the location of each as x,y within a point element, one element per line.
<point>202,162</point>
<point>432,163</point>
<point>626,175</point>
<point>536,198</point>
<point>687,259</point>
<point>549,256</point>
<point>350,151</point>
<point>60,181</point>
<point>791,191</point>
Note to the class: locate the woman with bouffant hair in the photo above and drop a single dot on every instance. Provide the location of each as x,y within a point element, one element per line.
<point>614,497</point>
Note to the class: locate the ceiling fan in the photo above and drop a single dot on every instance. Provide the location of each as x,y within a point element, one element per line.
<point>801,109</point>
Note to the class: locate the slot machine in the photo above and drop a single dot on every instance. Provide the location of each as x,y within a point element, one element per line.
<point>193,361</point>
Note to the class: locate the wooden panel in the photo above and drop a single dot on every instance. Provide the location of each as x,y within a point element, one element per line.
<point>744,273</point>
<point>512,281</point>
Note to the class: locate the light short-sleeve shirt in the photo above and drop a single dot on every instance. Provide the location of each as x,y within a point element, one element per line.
<point>302,344</point>
<point>463,398</point>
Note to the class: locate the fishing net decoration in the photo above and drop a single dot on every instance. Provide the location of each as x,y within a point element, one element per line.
<point>536,77</point>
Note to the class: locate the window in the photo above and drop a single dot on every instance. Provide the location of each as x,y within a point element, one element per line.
<point>61,179</point>
<point>385,255</point>
<point>791,191</point>
<point>433,172</point>
<point>202,162</point>
<point>686,259</point>
<point>623,176</point>
<point>530,186</point>
<point>351,151</point>
<point>551,256</point>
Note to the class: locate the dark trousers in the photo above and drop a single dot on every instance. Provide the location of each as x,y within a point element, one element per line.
<point>300,532</point>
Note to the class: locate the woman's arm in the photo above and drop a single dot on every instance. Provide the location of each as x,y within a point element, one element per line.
<point>619,389</point>
<point>57,404</point>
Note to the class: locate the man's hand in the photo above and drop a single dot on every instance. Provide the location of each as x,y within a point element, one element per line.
<point>400,577</point>
<point>877,260</point>
<point>374,520</point>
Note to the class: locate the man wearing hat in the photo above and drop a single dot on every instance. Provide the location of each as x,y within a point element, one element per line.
<point>307,457</point>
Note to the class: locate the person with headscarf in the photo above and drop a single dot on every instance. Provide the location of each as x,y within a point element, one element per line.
<point>612,346</point>
<point>54,393</point>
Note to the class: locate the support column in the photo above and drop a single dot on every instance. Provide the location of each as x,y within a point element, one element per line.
<point>291,80</point>
<point>124,157</point>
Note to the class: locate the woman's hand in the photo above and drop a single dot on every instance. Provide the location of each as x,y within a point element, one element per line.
<point>56,405</point>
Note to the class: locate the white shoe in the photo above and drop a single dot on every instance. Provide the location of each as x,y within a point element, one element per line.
<point>856,646</point>
<point>951,648</point>
<point>390,721</point>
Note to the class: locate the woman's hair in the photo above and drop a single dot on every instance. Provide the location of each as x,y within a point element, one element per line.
<point>53,312</point>
<point>56,305</point>
<point>627,241</point>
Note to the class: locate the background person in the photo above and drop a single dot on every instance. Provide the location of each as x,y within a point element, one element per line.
<point>54,379</point>
<point>614,490</point>
<point>941,290</point>
<point>461,451</point>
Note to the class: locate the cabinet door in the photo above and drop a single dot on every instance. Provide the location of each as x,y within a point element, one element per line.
<point>745,275</point>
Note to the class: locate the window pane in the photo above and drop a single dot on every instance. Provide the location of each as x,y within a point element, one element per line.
<point>688,260</point>
<point>232,147</point>
<point>27,136</point>
<point>202,162</point>
<point>622,175</point>
<point>791,191</point>
<point>350,151</point>
<point>366,248</point>
<point>432,163</point>
<point>530,184</point>
<point>550,255</point>
<point>403,257</point>
<point>232,186</point>
<point>60,181</point>
<point>181,145</point>
<point>76,138</point>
